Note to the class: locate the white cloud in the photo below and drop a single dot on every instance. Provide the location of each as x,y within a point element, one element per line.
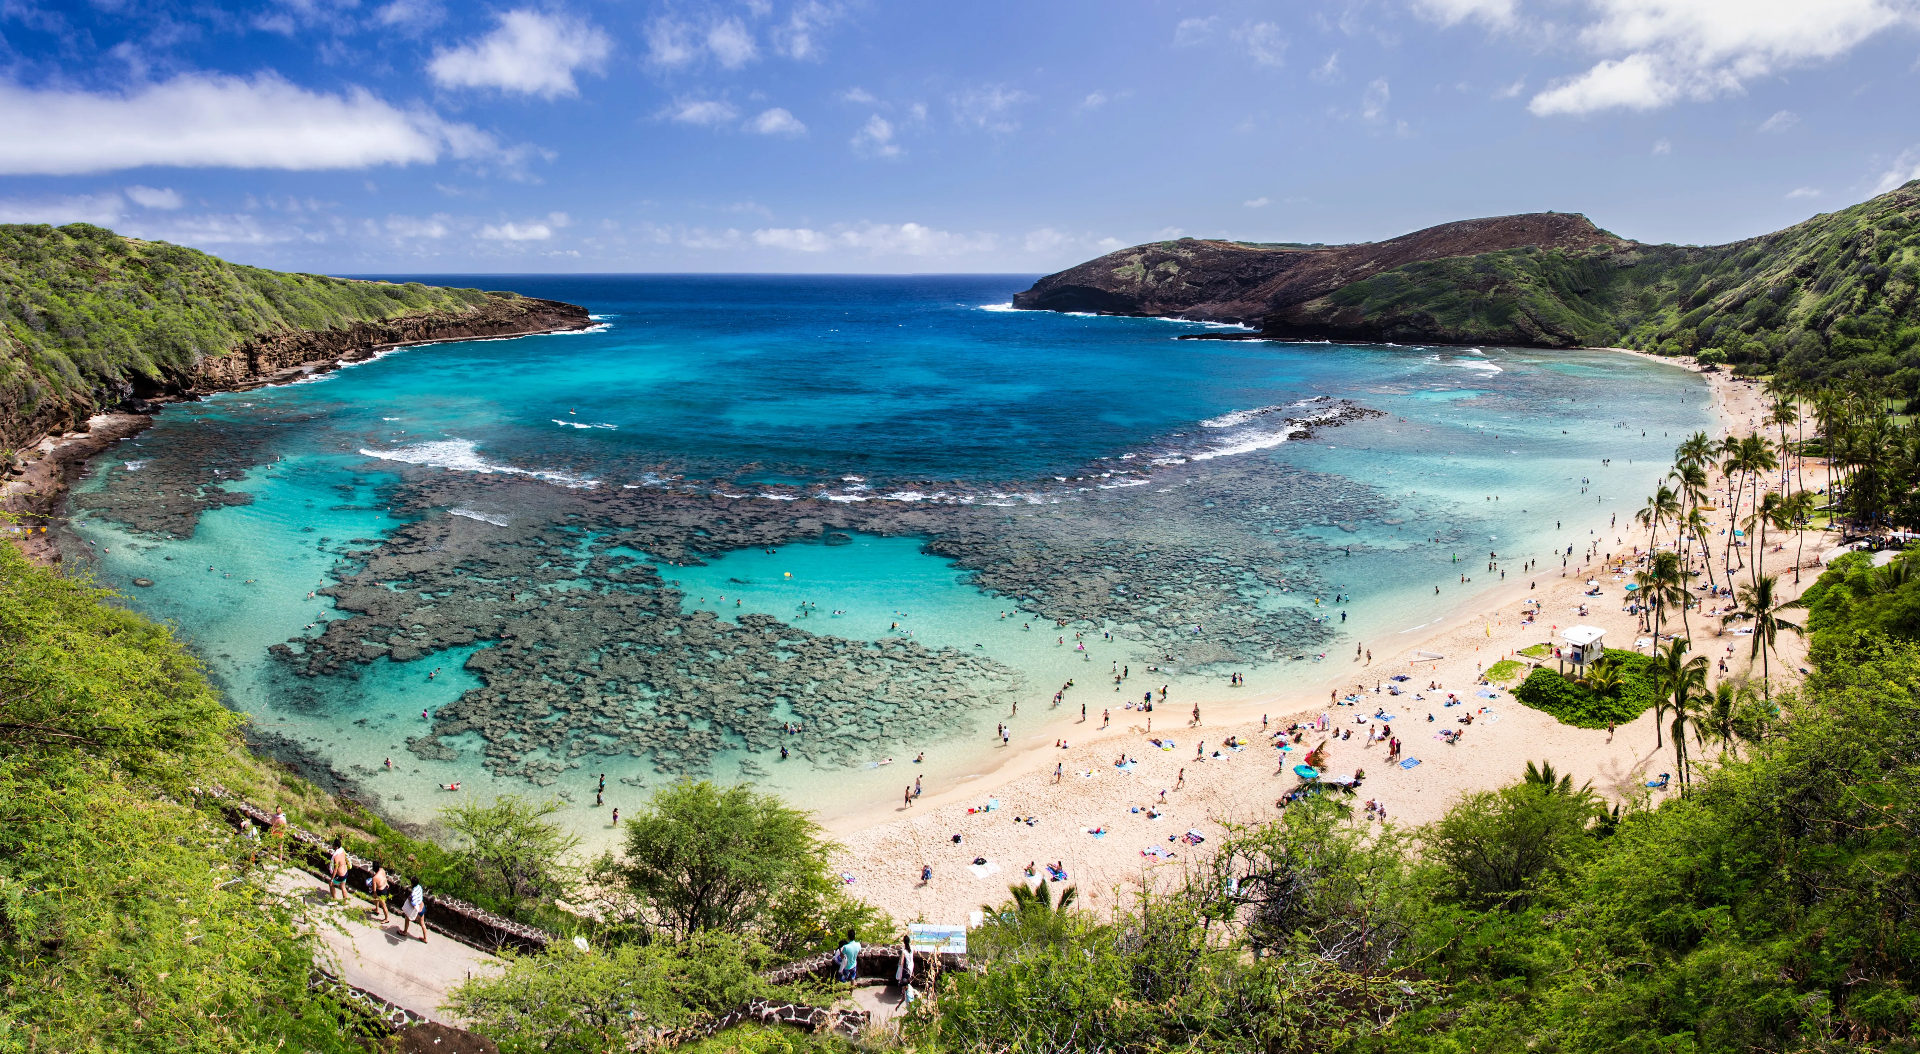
<point>1780,122</point>
<point>732,46</point>
<point>795,37</point>
<point>875,139</point>
<point>517,232</point>
<point>148,197</point>
<point>671,43</point>
<point>989,108</point>
<point>1328,72</point>
<point>1634,83</point>
<point>796,239</point>
<point>1803,192</point>
<point>1905,167</point>
<point>1374,102</point>
<point>1663,146</point>
<point>702,238</point>
<point>1511,90</point>
<point>409,14</point>
<point>1658,52</point>
<point>700,111</point>
<point>858,95</point>
<point>220,122</point>
<point>1257,203</point>
<point>1094,100</point>
<point>436,226</point>
<point>1265,43</point>
<point>1498,13</point>
<point>877,239</point>
<point>1045,240</point>
<point>529,52</point>
<point>1193,31</point>
<point>1107,245</point>
<point>102,210</point>
<point>777,121</point>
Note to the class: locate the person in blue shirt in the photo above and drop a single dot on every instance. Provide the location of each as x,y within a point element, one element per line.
<point>849,956</point>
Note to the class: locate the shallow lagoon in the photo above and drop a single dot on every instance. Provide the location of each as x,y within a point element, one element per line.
<point>793,388</point>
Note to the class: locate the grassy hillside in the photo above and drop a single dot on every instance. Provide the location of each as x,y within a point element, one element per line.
<point>1829,296</point>
<point>85,311</point>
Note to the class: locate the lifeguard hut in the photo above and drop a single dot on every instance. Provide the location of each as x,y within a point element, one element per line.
<point>1583,646</point>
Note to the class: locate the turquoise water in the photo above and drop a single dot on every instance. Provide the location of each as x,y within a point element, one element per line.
<point>924,466</point>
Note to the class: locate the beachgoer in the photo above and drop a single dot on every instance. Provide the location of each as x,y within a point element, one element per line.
<point>849,957</point>
<point>616,817</point>
<point>415,911</point>
<point>903,973</point>
<point>926,873</point>
<point>377,888</point>
<point>337,866</point>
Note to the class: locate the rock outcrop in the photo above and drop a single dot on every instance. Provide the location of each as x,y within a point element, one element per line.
<point>1255,284</point>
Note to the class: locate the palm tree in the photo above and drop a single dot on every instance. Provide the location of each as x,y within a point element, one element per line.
<point>1696,450</point>
<point>1555,783</point>
<point>1682,681</point>
<point>1603,677</point>
<point>1768,512</point>
<point>1696,527</point>
<point>1797,510</point>
<point>1761,603</point>
<point>1783,413</point>
<point>1663,506</point>
<point>1720,716</point>
<point>1035,912</point>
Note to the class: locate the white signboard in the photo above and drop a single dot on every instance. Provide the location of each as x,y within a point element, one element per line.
<point>927,937</point>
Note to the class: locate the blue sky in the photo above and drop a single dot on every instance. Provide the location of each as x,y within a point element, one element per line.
<point>768,135</point>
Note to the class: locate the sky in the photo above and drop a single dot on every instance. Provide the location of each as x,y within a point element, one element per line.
<point>423,136</point>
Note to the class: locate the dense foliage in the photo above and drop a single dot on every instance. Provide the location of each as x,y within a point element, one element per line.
<point>1826,297</point>
<point>129,919</point>
<point>82,307</point>
<point>701,857</point>
<point>1775,907</point>
<point>1584,705</point>
<point>602,1000</point>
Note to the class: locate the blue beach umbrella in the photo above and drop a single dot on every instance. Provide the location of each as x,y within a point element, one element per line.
<point>1306,772</point>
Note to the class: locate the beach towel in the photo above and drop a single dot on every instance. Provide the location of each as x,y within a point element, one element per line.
<point>848,878</point>
<point>983,870</point>
<point>1167,744</point>
<point>1097,832</point>
<point>1157,852</point>
<point>1128,767</point>
<point>1411,762</point>
<point>1487,693</point>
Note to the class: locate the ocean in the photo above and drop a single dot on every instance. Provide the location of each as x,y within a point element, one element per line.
<point>806,531</point>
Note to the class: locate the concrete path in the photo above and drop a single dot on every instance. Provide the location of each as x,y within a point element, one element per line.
<point>367,954</point>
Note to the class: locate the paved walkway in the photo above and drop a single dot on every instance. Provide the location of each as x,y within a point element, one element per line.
<point>366,954</point>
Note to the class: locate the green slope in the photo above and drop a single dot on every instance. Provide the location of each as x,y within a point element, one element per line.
<point>1828,296</point>
<point>84,310</point>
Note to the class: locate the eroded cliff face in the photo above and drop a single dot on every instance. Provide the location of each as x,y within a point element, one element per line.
<point>1220,281</point>
<point>282,355</point>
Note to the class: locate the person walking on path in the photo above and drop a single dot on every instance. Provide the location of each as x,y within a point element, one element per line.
<point>1180,780</point>
<point>1057,771</point>
<point>850,956</point>
<point>377,888</point>
<point>415,911</point>
<point>337,866</point>
<point>278,832</point>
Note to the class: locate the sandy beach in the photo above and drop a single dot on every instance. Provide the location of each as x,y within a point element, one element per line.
<point>1095,817</point>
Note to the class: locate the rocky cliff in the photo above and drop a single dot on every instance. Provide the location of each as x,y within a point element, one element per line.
<point>1249,283</point>
<point>91,320</point>
<point>1836,294</point>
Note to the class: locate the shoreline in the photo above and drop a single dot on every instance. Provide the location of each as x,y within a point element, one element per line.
<point>53,463</point>
<point>884,845</point>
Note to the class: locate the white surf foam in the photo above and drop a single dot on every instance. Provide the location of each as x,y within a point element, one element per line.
<point>497,519</point>
<point>135,466</point>
<point>461,455</point>
<point>577,424</point>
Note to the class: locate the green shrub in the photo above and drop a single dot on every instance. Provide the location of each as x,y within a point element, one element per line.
<point>1547,691</point>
